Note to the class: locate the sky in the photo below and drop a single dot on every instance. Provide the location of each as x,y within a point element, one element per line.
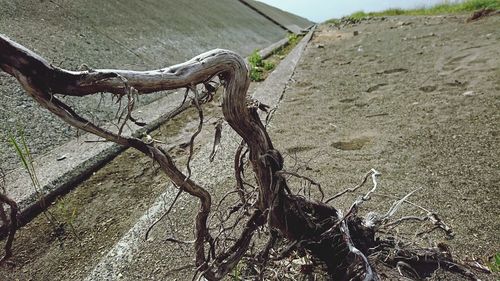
<point>321,10</point>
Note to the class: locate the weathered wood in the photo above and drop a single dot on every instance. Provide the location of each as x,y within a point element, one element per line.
<point>44,82</point>
<point>341,242</point>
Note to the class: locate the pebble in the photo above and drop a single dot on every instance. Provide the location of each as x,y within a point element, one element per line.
<point>469,94</point>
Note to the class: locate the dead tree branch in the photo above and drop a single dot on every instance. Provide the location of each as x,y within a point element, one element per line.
<point>341,242</point>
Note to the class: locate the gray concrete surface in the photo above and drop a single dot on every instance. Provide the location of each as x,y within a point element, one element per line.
<point>127,260</point>
<point>286,20</point>
<point>61,168</point>
<point>113,34</point>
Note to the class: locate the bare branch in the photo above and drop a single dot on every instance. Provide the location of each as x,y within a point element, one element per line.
<point>283,172</point>
<point>12,226</point>
<point>164,215</point>
<point>218,134</point>
<point>363,181</point>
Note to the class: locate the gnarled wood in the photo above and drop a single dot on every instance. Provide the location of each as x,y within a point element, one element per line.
<point>342,242</point>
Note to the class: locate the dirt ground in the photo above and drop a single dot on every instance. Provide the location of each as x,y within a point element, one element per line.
<point>416,98</point>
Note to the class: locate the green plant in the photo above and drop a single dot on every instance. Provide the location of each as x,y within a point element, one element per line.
<point>28,163</point>
<point>494,263</point>
<point>26,158</point>
<point>236,276</point>
<point>293,38</point>
<point>258,66</point>
<point>359,15</point>
<point>68,214</point>
<point>333,21</point>
<point>255,59</point>
<point>268,65</point>
<point>256,74</point>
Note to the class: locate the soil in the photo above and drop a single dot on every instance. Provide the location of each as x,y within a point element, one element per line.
<point>416,98</point>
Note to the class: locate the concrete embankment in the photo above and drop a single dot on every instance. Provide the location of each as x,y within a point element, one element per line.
<point>114,34</point>
<point>72,35</point>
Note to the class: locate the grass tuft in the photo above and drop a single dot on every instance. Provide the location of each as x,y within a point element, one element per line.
<point>446,7</point>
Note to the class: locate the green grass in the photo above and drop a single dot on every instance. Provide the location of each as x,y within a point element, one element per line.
<point>258,66</point>
<point>26,158</point>
<point>255,62</point>
<point>27,161</point>
<point>445,8</point>
<point>494,263</point>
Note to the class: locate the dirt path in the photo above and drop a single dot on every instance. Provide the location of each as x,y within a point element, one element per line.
<point>416,98</point>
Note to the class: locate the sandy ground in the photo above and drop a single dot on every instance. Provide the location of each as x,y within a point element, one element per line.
<point>416,98</point>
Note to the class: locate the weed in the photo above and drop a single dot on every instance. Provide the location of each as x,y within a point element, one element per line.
<point>28,163</point>
<point>494,263</point>
<point>236,273</point>
<point>26,157</point>
<point>333,21</point>
<point>268,65</point>
<point>258,66</point>
<point>255,58</point>
<point>68,214</point>
<point>293,39</point>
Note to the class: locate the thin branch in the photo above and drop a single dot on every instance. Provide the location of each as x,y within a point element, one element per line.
<point>164,215</point>
<point>363,181</point>
<point>283,172</point>
<point>198,130</point>
<point>217,138</point>
<point>370,275</point>
<point>12,228</point>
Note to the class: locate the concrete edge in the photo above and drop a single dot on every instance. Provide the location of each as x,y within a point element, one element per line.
<point>117,260</point>
<point>268,51</point>
<point>265,16</point>
<point>58,178</point>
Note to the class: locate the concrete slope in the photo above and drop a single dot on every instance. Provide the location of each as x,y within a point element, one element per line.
<point>113,34</point>
<point>286,20</point>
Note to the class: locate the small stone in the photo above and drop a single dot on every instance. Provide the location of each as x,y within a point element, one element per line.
<point>403,23</point>
<point>428,89</point>
<point>469,94</point>
<point>355,33</point>
<point>320,46</point>
<point>60,158</point>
